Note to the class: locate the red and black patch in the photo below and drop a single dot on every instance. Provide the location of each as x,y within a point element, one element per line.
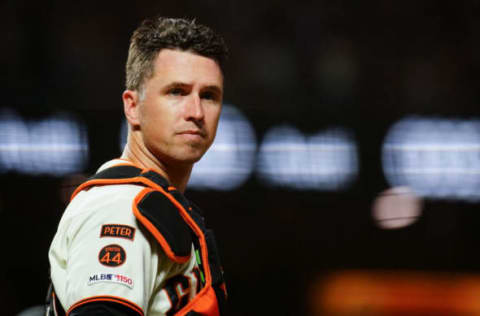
<point>112,256</point>
<point>117,230</point>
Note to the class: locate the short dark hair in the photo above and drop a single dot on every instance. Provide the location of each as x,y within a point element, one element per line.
<point>159,33</point>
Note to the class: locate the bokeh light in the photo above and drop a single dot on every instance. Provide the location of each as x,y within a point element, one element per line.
<point>327,160</point>
<point>56,145</point>
<point>437,158</point>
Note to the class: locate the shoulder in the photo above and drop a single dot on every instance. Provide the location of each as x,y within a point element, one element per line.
<point>137,205</point>
<point>104,201</point>
<point>94,210</point>
<point>158,215</point>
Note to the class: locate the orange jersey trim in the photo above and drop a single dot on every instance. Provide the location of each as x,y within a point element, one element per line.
<point>89,183</point>
<point>94,182</point>
<point>107,298</point>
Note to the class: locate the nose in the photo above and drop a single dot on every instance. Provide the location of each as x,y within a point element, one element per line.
<point>194,109</point>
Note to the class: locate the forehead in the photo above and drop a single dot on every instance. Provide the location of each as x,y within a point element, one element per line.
<point>183,66</point>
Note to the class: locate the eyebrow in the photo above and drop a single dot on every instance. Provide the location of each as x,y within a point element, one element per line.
<point>178,84</point>
<point>215,89</point>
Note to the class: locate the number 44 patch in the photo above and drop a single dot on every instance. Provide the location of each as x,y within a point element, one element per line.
<point>112,256</point>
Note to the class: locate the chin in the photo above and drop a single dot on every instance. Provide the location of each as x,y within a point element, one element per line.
<point>189,158</point>
<point>194,154</point>
<point>194,159</point>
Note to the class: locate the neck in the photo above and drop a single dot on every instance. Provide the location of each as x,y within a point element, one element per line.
<point>176,174</point>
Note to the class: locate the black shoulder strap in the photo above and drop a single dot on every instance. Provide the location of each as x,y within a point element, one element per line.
<point>118,172</point>
<point>127,171</point>
<point>162,219</point>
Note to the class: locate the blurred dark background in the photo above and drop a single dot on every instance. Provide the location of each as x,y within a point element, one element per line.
<point>361,65</point>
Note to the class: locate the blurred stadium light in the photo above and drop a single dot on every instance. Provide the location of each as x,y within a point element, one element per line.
<point>230,160</point>
<point>437,158</point>
<point>325,161</point>
<point>54,146</point>
<point>396,208</point>
<point>13,138</point>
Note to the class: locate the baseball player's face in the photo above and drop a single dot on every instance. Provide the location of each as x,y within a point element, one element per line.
<point>180,107</point>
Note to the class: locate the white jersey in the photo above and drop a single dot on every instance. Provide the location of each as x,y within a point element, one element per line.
<point>100,250</point>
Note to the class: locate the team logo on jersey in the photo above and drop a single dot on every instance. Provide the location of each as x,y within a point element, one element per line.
<point>110,278</point>
<point>117,230</point>
<point>112,256</point>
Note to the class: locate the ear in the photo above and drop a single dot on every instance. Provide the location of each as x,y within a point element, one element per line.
<point>131,104</point>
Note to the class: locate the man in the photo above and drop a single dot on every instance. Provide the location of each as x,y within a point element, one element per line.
<point>129,243</point>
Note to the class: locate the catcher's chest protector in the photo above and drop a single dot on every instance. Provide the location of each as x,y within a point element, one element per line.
<point>176,225</point>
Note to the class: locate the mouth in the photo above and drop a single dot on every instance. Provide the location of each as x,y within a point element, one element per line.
<point>193,132</point>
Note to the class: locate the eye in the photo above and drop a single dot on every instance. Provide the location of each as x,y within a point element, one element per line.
<point>208,95</point>
<point>177,91</point>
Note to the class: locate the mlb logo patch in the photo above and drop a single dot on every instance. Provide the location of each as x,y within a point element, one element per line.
<point>110,278</point>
